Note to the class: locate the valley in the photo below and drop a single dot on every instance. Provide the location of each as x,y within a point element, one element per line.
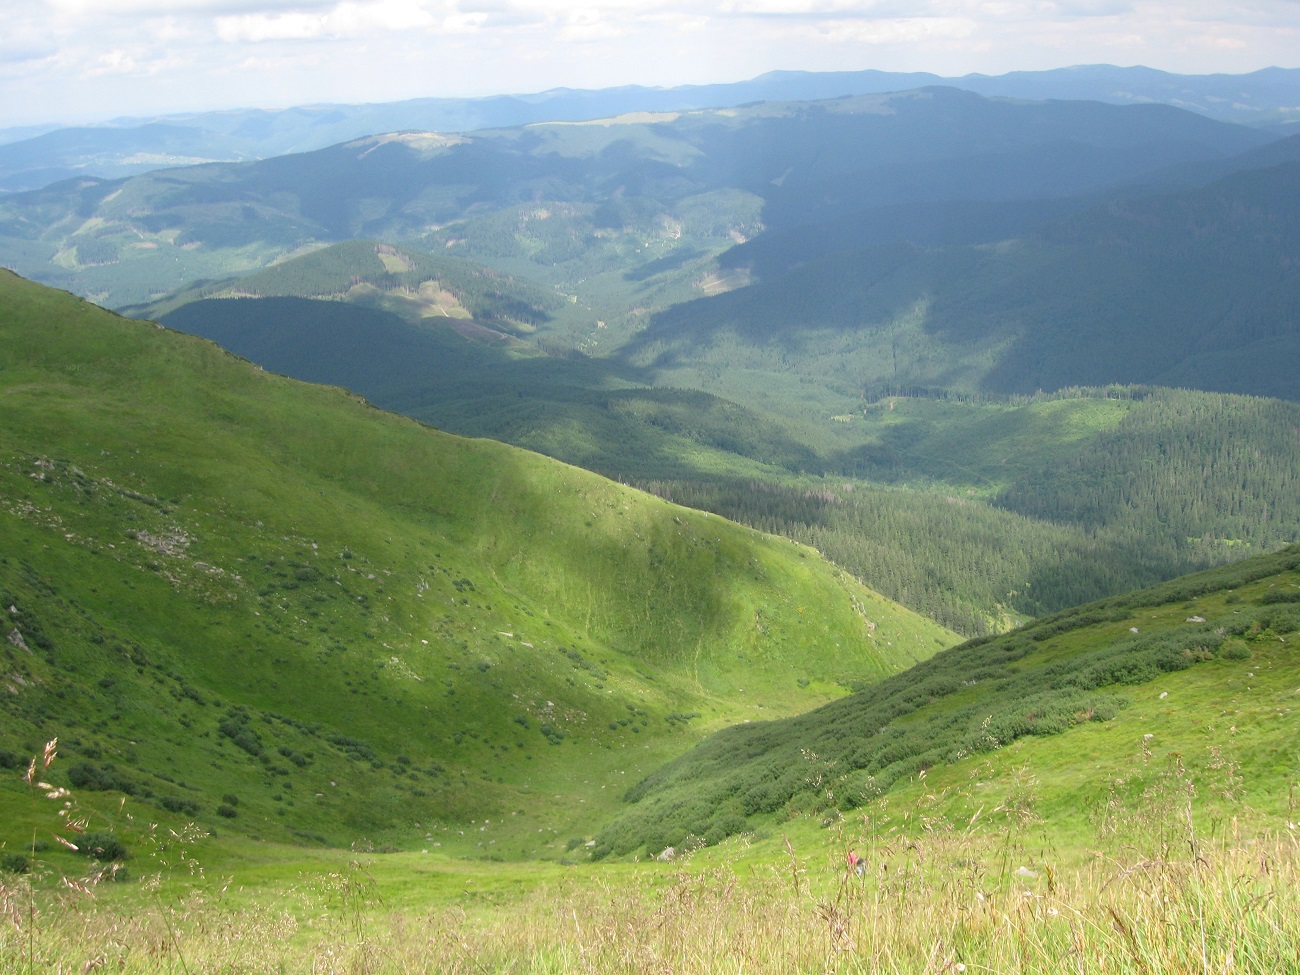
<point>640,513</point>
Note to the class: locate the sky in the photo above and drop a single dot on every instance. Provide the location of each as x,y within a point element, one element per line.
<point>70,61</point>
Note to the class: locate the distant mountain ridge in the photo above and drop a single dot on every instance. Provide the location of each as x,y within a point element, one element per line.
<point>577,199</point>
<point>1195,288</point>
<point>114,149</point>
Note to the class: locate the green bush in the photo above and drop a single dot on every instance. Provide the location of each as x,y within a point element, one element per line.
<point>14,863</point>
<point>178,805</point>
<point>102,846</point>
<point>1280,596</point>
<point>97,778</point>
<point>236,728</point>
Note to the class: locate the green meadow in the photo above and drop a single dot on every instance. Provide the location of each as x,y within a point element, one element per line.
<point>783,553</point>
<point>312,687</point>
<point>220,583</point>
<point>1158,838</point>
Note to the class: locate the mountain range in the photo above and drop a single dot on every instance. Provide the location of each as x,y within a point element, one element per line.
<point>128,146</point>
<point>272,610</point>
<point>570,202</point>
<point>877,371</point>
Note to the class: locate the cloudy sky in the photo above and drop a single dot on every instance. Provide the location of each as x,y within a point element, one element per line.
<point>84,60</point>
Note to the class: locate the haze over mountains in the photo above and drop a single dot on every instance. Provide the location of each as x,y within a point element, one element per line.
<point>680,185</point>
<point>29,160</point>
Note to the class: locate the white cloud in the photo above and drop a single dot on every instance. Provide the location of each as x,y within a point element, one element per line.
<point>344,20</point>
<point>142,56</point>
<point>900,30</point>
<point>463,23</point>
<point>269,27</point>
<point>114,62</point>
<point>138,8</point>
<point>806,8</point>
<point>588,25</point>
<point>1223,43</point>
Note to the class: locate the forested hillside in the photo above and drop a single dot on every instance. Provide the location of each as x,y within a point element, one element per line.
<point>1182,480</point>
<point>574,201</point>
<point>1191,289</point>
<point>975,512</point>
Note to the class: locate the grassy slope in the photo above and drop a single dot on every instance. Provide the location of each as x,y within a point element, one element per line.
<point>1160,840</point>
<point>1066,461</point>
<point>410,628</point>
<point>1096,711</point>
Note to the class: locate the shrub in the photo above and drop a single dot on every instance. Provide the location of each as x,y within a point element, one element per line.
<point>228,811</point>
<point>96,778</point>
<point>236,728</point>
<point>178,805</point>
<point>1280,596</point>
<point>1281,620</point>
<point>14,863</point>
<point>105,847</point>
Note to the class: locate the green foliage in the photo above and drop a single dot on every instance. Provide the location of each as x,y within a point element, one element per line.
<point>1171,483</point>
<point>1280,596</point>
<point>1069,523</point>
<point>1187,290</point>
<point>100,778</point>
<point>1212,469</point>
<point>236,727</point>
<point>176,804</point>
<point>189,626</point>
<point>973,699</point>
<point>102,846</point>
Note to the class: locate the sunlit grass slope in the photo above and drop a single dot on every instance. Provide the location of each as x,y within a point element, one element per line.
<point>1184,693</point>
<point>974,511</point>
<point>272,608</point>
